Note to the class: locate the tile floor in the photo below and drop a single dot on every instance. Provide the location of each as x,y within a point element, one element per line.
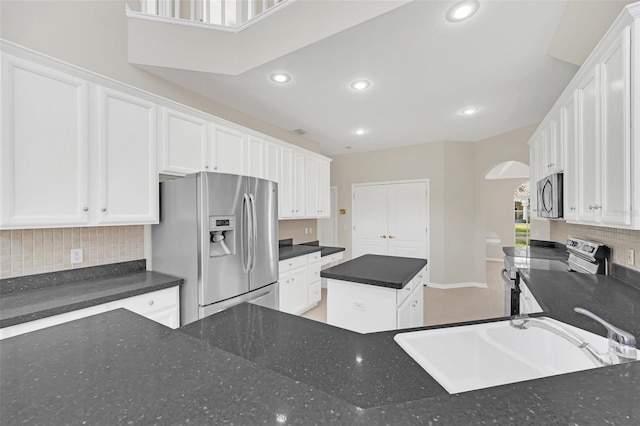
<point>445,306</point>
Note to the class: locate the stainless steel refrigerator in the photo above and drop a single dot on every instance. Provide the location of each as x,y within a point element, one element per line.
<point>220,233</point>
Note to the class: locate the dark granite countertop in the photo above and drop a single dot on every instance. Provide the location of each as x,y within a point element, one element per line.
<point>288,251</point>
<point>606,296</point>
<point>253,365</point>
<point>537,252</point>
<point>383,271</point>
<point>55,297</point>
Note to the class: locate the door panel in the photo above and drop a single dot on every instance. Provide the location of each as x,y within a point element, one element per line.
<point>369,220</point>
<point>407,219</point>
<point>588,147</point>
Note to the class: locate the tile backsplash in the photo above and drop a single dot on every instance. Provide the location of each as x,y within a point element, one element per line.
<point>35,251</point>
<point>619,240</point>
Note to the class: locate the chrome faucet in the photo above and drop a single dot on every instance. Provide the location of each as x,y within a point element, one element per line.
<point>621,343</point>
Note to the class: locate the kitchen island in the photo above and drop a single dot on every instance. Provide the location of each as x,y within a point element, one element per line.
<point>376,293</point>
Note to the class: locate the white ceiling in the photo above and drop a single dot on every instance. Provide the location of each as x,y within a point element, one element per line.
<point>423,71</point>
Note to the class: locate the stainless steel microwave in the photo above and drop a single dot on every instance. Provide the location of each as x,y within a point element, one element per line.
<point>549,193</point>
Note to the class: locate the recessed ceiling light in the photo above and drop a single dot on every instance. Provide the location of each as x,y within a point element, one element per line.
<point>360,131</point>
<point>469,111</point>
<point>280,77</point>
<point>463,10</point>
<point>360,84</point>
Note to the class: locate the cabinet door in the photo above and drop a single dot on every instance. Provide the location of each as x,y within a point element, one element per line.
<point>405,314</point>
<point>407,219</point>
<point>369,220</point>
<point>273,162</point>
<point>312,208</point>
<point>256,161</point>
<point>299,184</point>
<point>568,134</point>
<point>228,150</point>
<point>285,301</point>
<point>533,178</point>
<point>286,186</point>
<point>44,148</point>
<point>324,188</point>
<point>126,145</point>
<point>183,143</point>
<point>417,306</point>
<point>616,133</point>
<point>299,289</point>
<point>554,147</point>
<point>588,147</point>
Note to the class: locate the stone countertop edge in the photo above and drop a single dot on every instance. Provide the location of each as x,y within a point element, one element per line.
<point>288,252</point>
<point>397,271</point>
<point>47,304</point>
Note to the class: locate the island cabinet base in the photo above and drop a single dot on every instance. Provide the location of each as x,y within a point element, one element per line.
<point>367,308</point>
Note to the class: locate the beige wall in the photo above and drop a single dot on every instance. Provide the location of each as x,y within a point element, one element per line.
<point>459,201</point>
<point>295,229</point>
<point>619,240</point>
<point>35,251</point>
<point>499,197</point>
<point>93,35</point>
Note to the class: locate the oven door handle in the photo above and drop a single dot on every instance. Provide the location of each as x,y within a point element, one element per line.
<point>506,277</point>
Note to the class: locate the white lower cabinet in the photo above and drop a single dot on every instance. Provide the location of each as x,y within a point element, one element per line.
<point>528,303</point>
<point>162,306</point>
<point>300,283</point>
<point>367,308</point>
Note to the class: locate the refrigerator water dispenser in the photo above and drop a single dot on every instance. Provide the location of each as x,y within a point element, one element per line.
<point>221,236</point>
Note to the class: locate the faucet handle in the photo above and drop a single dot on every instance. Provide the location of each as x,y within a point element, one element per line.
<point>613,332</point>
<point>622,344</point>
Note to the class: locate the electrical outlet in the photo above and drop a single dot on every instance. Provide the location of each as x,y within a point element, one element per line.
<point>311,230</point>
<point>631,257</point>
<point>76,255</point>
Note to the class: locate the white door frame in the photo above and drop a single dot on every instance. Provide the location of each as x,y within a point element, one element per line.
<point>392,182</point>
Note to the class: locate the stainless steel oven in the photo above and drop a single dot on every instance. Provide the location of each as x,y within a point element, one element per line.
<point>549,196</point>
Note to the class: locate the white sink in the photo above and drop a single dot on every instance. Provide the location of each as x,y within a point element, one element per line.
<point>483,355</point>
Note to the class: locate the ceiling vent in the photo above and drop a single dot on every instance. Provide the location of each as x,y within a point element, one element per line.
<point>300,131</point>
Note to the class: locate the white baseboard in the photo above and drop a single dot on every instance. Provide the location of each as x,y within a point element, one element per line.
<point>495,259</point>
<point>458,285</point>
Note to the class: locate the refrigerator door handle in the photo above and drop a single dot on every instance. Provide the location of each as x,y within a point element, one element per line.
<point>245,240</point>
<point>254,231</point>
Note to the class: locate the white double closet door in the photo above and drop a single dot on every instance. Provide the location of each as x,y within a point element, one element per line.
<point>391,219</point>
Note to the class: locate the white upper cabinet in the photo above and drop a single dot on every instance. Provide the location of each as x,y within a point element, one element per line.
<point>228,148</point>
<point>183,143</point>
<point>569,138</point>
<point>588,146</point>
<point>127,189</point>
<point>615,196</point>
<point>273,159</point>
<point>45,147</point>
<point>317,187</point>
<point>602,145</point>
<point>95,160</point>
<point>256,161</point>
<point>99,147</point>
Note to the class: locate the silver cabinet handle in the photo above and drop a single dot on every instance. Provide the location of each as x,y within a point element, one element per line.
<point>215,167</point>
<point>150,302</point>
<point>85,209</point>
<point>206,167</point>
<point>104,209</point>
<point>572,208</point>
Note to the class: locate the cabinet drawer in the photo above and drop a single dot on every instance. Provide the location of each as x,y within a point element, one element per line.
<point>314,272</point>
<point>331,258</point>
<point>150,302</point>
<point>293,263</point>
<point>314,257</point>
<point>315,293</point>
